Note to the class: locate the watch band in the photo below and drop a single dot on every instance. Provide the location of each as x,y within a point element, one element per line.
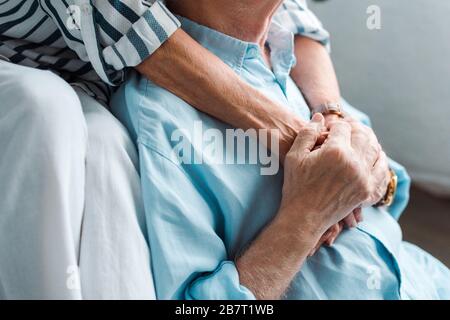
<point>329,108</point>
<point>389,197</point>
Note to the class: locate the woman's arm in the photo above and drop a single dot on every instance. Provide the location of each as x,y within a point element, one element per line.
<point>193,73</point>
<point>145,35</point>
<point>119,35</point>
<point>314,73</point>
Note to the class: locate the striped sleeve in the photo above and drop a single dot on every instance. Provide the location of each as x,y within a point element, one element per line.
<point>295,16</point>
<point>123,33</point>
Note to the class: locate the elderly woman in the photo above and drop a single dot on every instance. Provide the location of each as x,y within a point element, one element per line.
<point>71,203</point>
<point>222,230</point>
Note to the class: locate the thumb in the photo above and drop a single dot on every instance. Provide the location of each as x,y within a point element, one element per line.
<point>307,136</point>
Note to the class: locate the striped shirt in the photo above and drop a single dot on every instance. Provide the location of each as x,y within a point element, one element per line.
<point>91,43</point>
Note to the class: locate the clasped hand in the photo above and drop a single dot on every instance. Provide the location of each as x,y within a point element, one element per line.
<point>335,168</point>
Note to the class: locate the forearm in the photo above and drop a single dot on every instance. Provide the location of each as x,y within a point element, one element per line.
<point>268,266</point>
<point>194,74</point>
<point>314,73</point>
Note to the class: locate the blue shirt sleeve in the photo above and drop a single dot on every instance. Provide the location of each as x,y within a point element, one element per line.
<point>185,230</point>
<point>295,16</point>
<point>402,196</point>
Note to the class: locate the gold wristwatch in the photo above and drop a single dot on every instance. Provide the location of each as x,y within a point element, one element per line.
<point>388,199</point>
<point>330,108</point>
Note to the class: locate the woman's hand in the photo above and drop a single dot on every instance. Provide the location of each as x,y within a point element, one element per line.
<point>330,181</point>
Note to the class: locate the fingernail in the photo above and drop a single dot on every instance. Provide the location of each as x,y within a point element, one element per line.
<point>317,117</point>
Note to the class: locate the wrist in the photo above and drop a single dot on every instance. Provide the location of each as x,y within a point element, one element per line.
<point>303,223</point>
<point>328,108</point>
<point>391,190</point>
<point>331,117</point>
<point>288,133</point>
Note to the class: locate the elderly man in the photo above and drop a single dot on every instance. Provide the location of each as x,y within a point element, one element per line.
<point>223,230</point>
<point>70,189</point>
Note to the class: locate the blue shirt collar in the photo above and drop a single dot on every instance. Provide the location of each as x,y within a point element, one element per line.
<point>233,51</point>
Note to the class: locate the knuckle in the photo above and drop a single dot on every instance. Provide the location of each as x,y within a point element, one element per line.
<point>336,152</point>
<point>336,228</point>
<point>345,125</point>
<point>355,170</point>
<point>355,124</point>
<point>366,189</point>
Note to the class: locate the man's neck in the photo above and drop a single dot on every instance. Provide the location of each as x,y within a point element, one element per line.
<point>246,20</point>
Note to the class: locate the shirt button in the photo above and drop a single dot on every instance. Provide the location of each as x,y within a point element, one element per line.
<point>86,8</point>
<point>252,52</point>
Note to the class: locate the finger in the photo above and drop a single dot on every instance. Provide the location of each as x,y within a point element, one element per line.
<point>323,137</point>
<point>313,251</point>
<point>380,178</point>
<point>357,213</point>
<point>322,240</point>
<point>334,232</point>
<point>365,143</point>
<point>308,136</point>
<point>339,228</point>
<point>320,243</point>
<point>340,133</point>
<point>350,221</point>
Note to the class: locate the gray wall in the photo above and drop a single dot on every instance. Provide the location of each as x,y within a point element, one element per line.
<point>400,76</point>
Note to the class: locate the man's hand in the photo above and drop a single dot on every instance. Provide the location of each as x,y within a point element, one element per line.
<point>320,188</point>
<point>365,142</point>
<point>335,175</point>
<point>351,221</point>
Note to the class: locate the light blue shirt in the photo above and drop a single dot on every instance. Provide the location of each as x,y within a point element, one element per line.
<point>201,216</point>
